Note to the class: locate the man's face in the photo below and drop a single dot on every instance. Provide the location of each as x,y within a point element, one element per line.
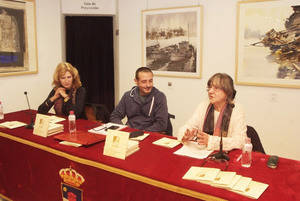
<point>144,82</point>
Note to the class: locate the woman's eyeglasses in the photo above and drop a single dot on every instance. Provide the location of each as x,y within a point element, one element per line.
<point>215,89</point>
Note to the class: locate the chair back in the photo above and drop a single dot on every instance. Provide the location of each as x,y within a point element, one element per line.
<point>169,130</point>
<point>96,112</point>
<point>252,134</point>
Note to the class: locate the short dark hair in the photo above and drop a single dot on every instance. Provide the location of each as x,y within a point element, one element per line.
<point>142,69</point>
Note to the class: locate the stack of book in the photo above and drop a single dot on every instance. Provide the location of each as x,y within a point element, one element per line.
<point>55,128</point>
<point>227,180</point>
<point>132,147</point>
<point>44,125</point>
<point>118,145</point>
<point>55,119</point>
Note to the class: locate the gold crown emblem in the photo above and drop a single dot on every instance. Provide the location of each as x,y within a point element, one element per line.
<point>70,176</point>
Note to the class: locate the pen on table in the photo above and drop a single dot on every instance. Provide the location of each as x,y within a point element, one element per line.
<point>239,158</point>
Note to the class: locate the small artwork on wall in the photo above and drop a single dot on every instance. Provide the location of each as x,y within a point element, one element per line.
<point>172,41</point>
<point>18,53</point>
<point>268,44</point>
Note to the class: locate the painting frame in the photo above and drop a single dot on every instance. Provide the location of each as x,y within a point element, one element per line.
<point>176,49</point>
<point>18,49</point>
<point>260,59</point>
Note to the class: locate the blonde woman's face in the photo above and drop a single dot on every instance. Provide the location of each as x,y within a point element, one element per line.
<point>66,80</point>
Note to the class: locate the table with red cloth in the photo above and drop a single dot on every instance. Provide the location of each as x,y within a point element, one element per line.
<point>30,165</point>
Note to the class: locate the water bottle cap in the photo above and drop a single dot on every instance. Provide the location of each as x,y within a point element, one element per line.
<point>71,112</point>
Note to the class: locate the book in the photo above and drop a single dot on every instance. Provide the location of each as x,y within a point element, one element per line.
<point>81,137</point>
<point>55,119</point>
<point>118,145</point>
<point>43,127</point>
<point>228,180</point>
<point>55,128</point>
<point>12,124</point>
<point>201,174</point>
<point>167,142</point>
<point>223,179</point>
<point>233,181</point>
<point>254,189</point>
<point>132,147</point>
<point>242,184</point>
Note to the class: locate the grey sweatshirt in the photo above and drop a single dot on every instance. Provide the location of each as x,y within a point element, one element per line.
<point>149,115</point>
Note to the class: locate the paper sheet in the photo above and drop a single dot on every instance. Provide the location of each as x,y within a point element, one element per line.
<point>73,144</point>
<point>192,150</point>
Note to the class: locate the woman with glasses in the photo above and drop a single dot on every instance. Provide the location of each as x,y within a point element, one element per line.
<point>217,116</point>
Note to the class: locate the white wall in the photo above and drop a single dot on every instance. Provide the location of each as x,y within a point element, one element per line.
<point>273,112</point>
<point>49,55</point>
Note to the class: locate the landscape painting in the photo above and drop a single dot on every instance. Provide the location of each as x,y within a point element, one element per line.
<point>268,44</point>
<point>172,41</point>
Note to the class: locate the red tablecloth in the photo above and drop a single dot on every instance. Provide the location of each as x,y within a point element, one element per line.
<point>29,167</point>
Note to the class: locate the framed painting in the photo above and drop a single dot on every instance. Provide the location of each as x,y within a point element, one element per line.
<point>172,41</point>
<point>268,44</point>
<point>18,50</point>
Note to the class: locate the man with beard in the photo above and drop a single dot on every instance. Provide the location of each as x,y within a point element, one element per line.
<point>144,106</point>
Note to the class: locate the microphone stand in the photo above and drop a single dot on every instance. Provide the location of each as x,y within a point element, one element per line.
<point>29,126</point>
<point>221,155</point>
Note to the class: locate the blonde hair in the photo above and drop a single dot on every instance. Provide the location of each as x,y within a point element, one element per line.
<point>61,69</point>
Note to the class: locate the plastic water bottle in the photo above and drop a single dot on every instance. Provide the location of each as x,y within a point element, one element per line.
<point>1,111</point>
<point>247,153</point>
<point>72,123</point>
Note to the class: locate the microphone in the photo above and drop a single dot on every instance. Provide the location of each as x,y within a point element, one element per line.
<point>29,126</point>
<point>221,155</point>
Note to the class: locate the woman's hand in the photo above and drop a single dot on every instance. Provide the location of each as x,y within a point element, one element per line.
<point>189,134</point>
<point>60,92</point>
<point>202,138</point>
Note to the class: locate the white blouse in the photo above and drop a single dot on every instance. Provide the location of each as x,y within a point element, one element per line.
<point>236,131</point>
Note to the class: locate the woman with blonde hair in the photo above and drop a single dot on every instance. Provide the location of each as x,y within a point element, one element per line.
<point>220,115</point>
<point>67,93</point>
